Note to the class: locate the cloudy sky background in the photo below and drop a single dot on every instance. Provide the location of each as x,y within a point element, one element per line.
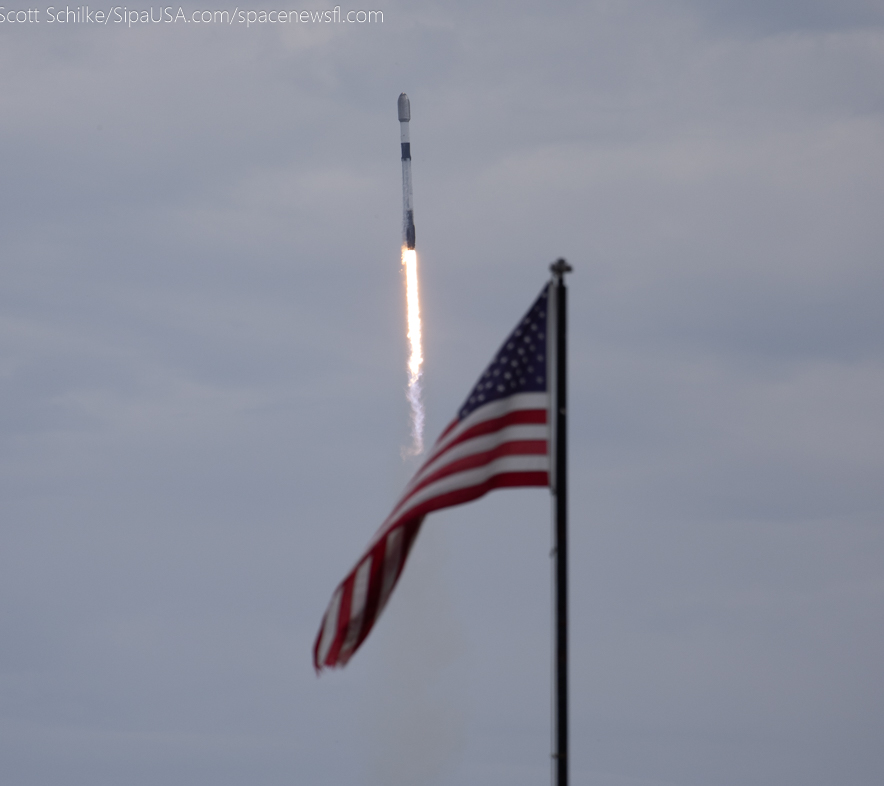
<point>202,373</point>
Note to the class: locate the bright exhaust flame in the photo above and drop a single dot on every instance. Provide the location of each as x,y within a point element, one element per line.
<point>416,357</point>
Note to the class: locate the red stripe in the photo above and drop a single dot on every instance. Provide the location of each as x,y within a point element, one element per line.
<point>370,612</point>
<point>515,418</point>
<point>447,430</point>
<point>410,530</point>
<point>517,447</point>
<point>469,493</point>
<point>374,590</point>
<point>519,417</point>
<point>411,526</point>
<point>436,468</point>
<point>343,618</point>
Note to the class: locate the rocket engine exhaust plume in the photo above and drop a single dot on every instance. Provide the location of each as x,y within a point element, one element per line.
<point>416,357</point>
<point>412,297</point>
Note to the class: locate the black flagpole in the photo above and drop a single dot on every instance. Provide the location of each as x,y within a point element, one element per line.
<point>560,489</point>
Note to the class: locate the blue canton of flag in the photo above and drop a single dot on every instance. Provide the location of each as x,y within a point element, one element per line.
<point>520,364</point>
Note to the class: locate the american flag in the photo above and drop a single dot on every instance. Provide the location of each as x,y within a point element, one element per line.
<point>499,438</point>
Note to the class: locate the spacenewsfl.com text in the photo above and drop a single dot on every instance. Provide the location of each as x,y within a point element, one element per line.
<point>116,15</point>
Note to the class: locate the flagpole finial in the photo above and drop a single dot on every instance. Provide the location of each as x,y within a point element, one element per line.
<point>560,267</point>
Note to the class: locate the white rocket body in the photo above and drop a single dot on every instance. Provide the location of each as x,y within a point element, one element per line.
<point>407,206</point>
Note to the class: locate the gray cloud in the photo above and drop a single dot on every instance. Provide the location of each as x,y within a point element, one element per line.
<point>202,394</point>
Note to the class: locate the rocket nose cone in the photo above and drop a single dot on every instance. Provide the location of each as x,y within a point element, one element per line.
<point>404,108</point>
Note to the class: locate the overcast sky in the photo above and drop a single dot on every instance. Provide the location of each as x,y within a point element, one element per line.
<point>202,393</point>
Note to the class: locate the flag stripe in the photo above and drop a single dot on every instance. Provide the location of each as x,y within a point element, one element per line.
<point>521,416</point>
<point>329,625</point>
<point>357,607</point>
<point>461,494</point>
<point>535,407</point>
<point>501,439</point>
<point>522,402</point>
<point>392,557</point>
<point>356,617</point>
<point>524,424</point>
<point>422,501</point>
<point>465,478</point>
<point>343,620</point>
<point>484,445</point>
<point>473,460</point>
<point>342,633</point>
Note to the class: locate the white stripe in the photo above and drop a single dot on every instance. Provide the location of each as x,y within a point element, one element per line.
<point>473,477</point>
<point>330,626</point>
<point>392,557</point>
<point>493,410</point>
<point>357,606</point>
<point>485,442</point>
<point>518,403</point>
<point>480,444</point>
<point>496,409</point>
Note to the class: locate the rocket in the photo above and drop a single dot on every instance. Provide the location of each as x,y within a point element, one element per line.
<point>407,206</point>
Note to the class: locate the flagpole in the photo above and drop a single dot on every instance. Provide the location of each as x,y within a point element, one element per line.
<point>560,487</point>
